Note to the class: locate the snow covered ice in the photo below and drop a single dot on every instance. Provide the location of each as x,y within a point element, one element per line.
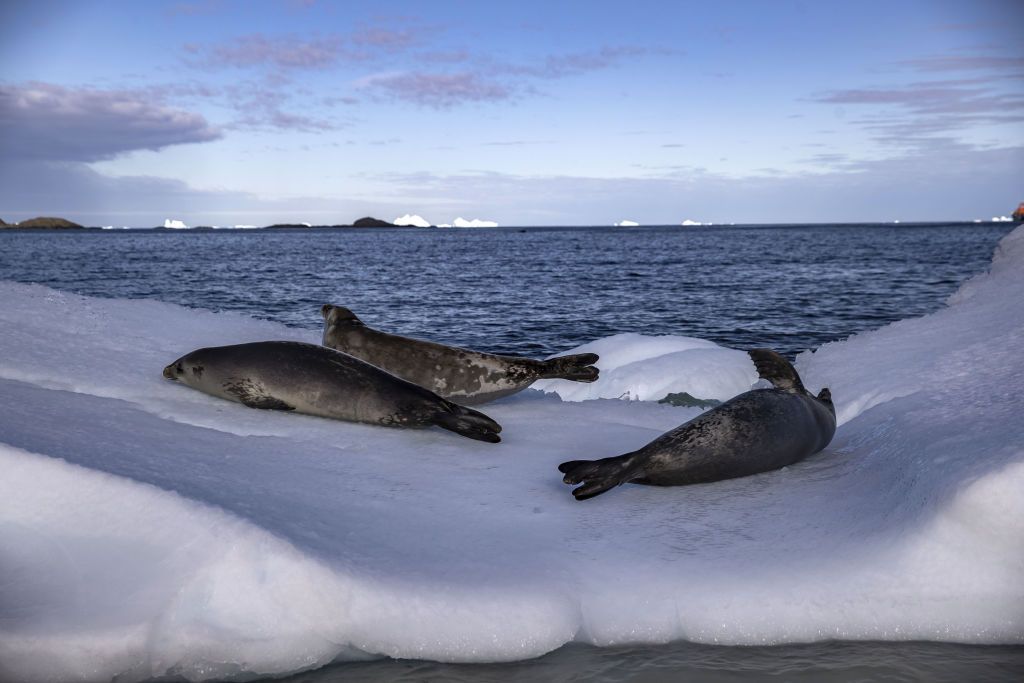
<point>147,529</point>
<point>412,220</point>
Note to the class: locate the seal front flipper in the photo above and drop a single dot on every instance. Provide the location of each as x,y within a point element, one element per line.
<point>597,476</point>
<point>776,369</point>
<point>578,367</point>
<point>254,395</point>
<point>468,422</point>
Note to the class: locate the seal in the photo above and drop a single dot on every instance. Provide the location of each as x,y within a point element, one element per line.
<point>757,431</point>
<point>311,379</point>
<point>469,377</point>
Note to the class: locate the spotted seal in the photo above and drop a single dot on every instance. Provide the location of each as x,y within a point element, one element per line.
<point>469,377</point>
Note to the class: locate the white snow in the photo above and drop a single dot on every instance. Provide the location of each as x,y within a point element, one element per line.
<point>415,221</point>
<point>1001,219</point>
<point>690,223</point>
<point>174,224</point>
<point>147,529</point>
<point>461,222</point>
<point>626,224</point>
<point>638,367</point>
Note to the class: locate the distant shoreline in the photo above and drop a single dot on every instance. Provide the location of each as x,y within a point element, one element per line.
<point>618,229</point>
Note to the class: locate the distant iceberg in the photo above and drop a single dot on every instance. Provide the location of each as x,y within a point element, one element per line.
<point>175,224</point>
<point>688,223</point>
<point>444,225</point>
<point>1001,219</point>
<point>626,224</point>
<point>475,223</point>
<point>414,221</point>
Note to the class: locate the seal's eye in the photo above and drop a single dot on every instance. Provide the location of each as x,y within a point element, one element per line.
<point>178,369</point>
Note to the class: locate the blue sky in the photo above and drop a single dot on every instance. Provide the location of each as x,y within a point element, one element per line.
<point>527,113</point>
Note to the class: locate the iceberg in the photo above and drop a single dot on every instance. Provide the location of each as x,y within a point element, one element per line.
<point>475,223</point>
<point>411,220</point>
<point>147,530</point>
<point>174,224</point>
<point>1002,219</point>
<point>626,224</point>
<point>689,223</point>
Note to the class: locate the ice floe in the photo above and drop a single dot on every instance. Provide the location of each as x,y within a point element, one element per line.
<point>149,530</point>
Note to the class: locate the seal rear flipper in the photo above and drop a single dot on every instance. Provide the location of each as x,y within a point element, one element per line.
<point>578,367</point>
<point>597,476</point>
<point>468,422</point>
<point>776,369</point>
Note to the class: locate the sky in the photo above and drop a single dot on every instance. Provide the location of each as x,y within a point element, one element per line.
<point>221,112</point>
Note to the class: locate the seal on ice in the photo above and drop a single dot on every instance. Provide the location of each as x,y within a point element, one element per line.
<point>469,377</point>
<point>311,379</point>
<point>757,431</point>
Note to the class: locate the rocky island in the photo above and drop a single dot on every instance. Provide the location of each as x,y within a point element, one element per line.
<point>365,222</point>
<point>1018,215</point>
<point>42,223</point>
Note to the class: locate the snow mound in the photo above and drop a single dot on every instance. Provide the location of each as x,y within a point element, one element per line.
<point>639,367</point>
<point>149,530</point>
<point>411,220</point>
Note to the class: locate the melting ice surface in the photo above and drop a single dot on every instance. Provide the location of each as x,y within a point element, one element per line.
<point>148,529</point>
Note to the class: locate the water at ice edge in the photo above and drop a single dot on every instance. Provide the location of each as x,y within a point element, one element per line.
<point>146,529</point>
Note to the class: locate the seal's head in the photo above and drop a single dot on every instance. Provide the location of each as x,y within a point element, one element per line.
<point>825,396</point>
<point>174,370</point>
<point>189,368</point>
<point>339,315</point>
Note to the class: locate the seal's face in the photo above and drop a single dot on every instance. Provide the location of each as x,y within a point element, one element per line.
<point>174,370</point>
<point>339,315</point>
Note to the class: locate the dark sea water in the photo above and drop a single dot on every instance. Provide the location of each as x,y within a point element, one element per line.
<point>828,662</point>
<point>536,291</point>
<point>539,291</point>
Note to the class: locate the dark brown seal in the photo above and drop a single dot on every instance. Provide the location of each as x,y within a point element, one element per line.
<point>311,379</point>
<point>757,431</point>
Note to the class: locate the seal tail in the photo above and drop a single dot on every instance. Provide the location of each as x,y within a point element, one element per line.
<point>468,422</point>
<point>578,367</point>
<point>597,476</point>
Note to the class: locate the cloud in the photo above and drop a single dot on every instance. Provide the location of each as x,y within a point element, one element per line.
<point>486,80</point>
<point>965,63</point>
<point>941,180</point>
<point>439,91</point>
<point>291,52</point>
<point>50,122</point>
<point>575,63</point>
<point>76,191</point>
<point>944,180</point>
<point>897,114</point>
<point>286,52</point>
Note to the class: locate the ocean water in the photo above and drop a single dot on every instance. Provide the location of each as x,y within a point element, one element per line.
<point>149,531</point>
<point>538,291</point>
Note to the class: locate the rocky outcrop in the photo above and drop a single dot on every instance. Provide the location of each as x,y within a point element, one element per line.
<point>369,222</point>
<point>1018,215</point>
<point>43,223</point>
